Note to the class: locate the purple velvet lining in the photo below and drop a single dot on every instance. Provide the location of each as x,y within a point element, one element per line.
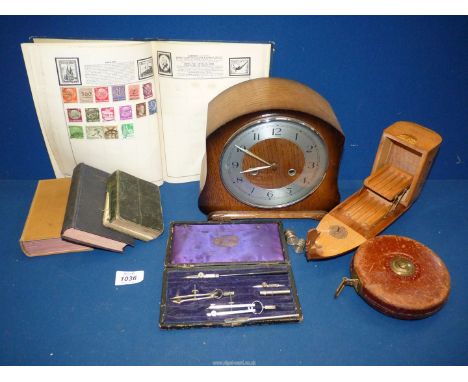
<point>226,243</point>
<point>194,312</point>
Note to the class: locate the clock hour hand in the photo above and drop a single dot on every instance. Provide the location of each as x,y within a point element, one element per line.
<point>253,169</point>
<point>254,156</point>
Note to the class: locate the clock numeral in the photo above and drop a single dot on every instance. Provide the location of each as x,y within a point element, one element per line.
<point>276,131</point>
<point>239,180</point>
<point>256,137</point>
<point>251,192</point>
<point>235,164</point>
<point>297,136</point>
<point>312,165</point>
<point>269,195</point>
<point>244,147</point>
<point>305,180</point>
<point>289,190</point>
<point>311,147</point>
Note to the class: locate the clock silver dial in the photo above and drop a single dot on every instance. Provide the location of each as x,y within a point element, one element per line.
<point>274,162</point>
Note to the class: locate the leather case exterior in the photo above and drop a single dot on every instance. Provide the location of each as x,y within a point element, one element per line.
<point>418,288</point>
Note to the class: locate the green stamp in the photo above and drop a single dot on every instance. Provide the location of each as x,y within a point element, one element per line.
<point>92,115</point>
<point>127,130</point>
<point>76,132</point>
<point>94,132</point>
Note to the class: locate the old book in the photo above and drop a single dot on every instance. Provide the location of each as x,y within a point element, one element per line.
<point>41,233</point>
<point>135,106</point>
<point>85,208</point>
<point>133,206</point>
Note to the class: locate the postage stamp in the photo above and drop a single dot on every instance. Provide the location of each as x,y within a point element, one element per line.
<point>101,94</point>
<point>111,132</point>
<point>133,92</point>
<point>127,130</point>
<point>76,132</point>
<point>68,70</point>
<point>107,113</point>
<point>94,132</point>
<point>86,95</point>
<point>92,114</point>
<point>69,95</point>
<point>165,63</point>
<point>118,93</point>
<point>140,110</point>
<point>74,115</point>
<point>239,66</point>
<point>152,106</point>
<point>125,112</point>
<point>145,68</point>
<point>147,90</point>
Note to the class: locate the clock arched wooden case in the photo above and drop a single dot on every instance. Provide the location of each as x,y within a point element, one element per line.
<point>273,150</point>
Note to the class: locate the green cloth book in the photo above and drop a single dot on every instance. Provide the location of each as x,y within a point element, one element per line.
<point>133,206</point>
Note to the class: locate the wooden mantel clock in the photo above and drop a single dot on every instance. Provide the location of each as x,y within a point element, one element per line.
<point>273,150</point>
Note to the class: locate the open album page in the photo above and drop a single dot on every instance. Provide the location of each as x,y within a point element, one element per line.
<point>188,76</point>
<point>96,104</point>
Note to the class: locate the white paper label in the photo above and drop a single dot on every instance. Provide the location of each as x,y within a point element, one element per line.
<point>127,278</point>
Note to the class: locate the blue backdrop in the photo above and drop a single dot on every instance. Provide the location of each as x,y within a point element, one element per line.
<point>65,309</point>
<point>373,70</point>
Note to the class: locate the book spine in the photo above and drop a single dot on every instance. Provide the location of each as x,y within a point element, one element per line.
<point>112,195</point>
<point>73,199</point>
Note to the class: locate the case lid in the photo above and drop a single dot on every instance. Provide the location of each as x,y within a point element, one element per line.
<point>201,243</point>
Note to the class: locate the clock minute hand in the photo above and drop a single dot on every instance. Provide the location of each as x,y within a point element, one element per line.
<point>255,169</point>
<point>254,156</point>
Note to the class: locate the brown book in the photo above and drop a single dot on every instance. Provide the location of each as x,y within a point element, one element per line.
<point>41,233</point>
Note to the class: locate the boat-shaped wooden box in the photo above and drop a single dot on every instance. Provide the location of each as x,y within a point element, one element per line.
<point>402,163</point>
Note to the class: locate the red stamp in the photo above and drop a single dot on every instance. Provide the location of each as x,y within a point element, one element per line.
<point>101,94</point>
<point>74,115</point>
<point>133,92</point>
<point>69,95</point>
<point>107,113</point>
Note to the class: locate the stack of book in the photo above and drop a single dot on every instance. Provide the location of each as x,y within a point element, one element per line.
<point>91,210</point>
